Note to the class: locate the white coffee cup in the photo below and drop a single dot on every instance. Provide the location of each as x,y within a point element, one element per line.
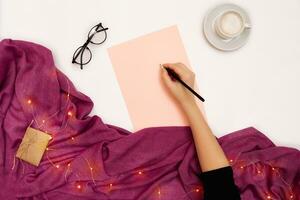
<point>230,24</point>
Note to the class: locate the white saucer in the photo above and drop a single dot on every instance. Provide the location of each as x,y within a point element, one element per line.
<point>214,39</point>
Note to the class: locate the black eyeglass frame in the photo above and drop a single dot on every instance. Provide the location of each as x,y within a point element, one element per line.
<point>80,50</point>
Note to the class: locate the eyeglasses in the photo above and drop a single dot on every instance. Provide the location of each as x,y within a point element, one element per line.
<point>83,55</point>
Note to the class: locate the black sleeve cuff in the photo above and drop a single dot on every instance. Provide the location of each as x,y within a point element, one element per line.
<point>219,183</point>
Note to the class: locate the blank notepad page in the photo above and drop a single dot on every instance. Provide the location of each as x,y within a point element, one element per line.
<point>136,65</point>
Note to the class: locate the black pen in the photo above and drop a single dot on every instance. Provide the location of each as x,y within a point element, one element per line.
<point>173,74</point>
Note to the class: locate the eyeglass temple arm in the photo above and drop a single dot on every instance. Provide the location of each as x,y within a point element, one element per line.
<point>82,49</point>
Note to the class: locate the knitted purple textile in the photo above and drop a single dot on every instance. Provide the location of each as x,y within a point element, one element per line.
<point>88,159</point>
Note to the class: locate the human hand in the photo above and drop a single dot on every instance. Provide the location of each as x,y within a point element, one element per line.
<point>181,94</point>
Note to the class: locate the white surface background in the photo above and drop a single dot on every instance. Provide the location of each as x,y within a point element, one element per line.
<point>258,85</point>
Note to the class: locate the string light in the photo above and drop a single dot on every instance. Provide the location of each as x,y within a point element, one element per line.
<point>29,102</point>
<point>274,169</point>
<point>77,183</point>
<point>70,114</point>
<point>91,169</point>
<point>62,127</point>
<point>194,190</point>
<point>140,172</point>
<point>49,159</point>
<point>159,193</point>
<point>68,168</point>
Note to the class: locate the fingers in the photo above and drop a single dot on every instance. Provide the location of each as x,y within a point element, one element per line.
<point>165,76</point>
<point>179,68</point>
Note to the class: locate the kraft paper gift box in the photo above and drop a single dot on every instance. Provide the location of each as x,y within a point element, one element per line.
<point>33,146</point>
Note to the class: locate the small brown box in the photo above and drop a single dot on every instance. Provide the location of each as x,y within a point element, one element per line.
<point>33,146</point>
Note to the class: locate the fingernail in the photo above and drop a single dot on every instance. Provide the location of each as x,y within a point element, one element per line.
<point>161,66</point>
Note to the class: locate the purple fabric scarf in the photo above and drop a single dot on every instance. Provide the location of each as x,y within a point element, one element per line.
<point>88,159</point>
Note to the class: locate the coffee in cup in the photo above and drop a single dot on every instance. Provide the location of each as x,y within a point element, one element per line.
<point>230,24</point>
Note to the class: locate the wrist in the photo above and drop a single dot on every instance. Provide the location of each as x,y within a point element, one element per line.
<point>189,104</point>
<point>193,112</point>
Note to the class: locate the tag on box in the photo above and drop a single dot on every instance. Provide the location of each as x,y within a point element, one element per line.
<point>33,146</point>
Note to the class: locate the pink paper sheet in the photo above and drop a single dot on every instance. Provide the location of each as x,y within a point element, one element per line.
<point>136,65</point>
